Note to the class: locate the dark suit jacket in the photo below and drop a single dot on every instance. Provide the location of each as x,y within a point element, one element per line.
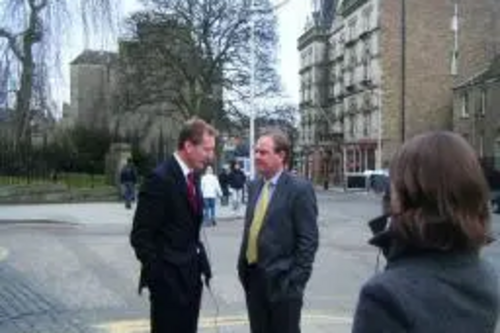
<point>166,231</point>
<point>288,240</point>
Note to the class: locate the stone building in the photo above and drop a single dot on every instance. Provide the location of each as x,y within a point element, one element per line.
<point>93,87</point>
<point>391,72</point>
<point>315,142</point>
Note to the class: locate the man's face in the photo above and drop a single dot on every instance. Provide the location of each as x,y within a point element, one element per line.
<point>202,154</point>
<point>267,161</point>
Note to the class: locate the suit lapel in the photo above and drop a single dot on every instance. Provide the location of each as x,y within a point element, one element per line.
<point>179,177</point>
<point>257,188</point>
<point>276,198</point>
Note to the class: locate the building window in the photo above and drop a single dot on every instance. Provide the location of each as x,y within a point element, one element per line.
<point>483,102</point>
<point>352,29</point>
<point>465,105</point>
<point>366,125</point>
<point>366,51</point>
<point>351,126</point>
<point>367,16</point>
<point>332,50</point>
<point>354,59</point>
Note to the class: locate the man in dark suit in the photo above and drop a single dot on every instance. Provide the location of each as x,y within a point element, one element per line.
<point>279,242</point>
<point>166,230</point>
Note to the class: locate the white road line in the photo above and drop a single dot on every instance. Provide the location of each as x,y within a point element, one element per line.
<point>4,253</point>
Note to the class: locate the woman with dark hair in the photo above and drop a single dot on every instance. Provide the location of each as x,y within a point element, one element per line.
<point>435,280</point>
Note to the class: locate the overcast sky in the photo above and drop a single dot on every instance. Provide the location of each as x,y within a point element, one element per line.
<point>292,19</point>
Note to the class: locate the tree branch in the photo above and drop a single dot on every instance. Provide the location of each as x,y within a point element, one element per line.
<point>39,7</point>
<point>11,39</point>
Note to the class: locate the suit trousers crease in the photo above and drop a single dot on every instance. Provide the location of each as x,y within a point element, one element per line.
<point>266,316</point>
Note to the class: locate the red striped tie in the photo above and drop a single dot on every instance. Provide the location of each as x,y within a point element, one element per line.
<point>191,187</point>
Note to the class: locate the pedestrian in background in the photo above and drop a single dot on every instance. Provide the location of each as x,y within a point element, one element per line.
<point>435,280</point>
<point>224,184</point>
<point>211,190</point>
<point>237,182</point>
<point>128,181</point>
<point>280,240</point>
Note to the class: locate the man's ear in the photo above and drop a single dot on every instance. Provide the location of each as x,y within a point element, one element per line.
<point>283,156</point>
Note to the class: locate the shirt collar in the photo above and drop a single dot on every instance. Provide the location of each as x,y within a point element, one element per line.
<point>185,169</point>
<point>274,181</point>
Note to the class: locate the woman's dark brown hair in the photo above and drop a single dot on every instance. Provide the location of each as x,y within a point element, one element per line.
<point>440,195</point>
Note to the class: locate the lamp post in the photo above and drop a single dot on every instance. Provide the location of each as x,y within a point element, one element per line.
<point>253,112</point>
<point>403,71</point>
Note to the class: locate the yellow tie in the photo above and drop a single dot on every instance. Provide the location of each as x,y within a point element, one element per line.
<point>258,218</point>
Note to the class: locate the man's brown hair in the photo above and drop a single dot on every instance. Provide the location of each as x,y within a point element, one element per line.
<point>281,142</point>
<point>193,131</point>
<point>440,194</point>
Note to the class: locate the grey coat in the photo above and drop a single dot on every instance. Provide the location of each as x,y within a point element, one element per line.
<point>288,240</point>
<point>429,292</point>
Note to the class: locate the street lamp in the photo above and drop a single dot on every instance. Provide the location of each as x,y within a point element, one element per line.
<point>253,49</point>
<point>403,71</point>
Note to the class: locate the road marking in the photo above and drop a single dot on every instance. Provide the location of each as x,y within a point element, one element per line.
<point>142,325</point>
<point>4,253</point>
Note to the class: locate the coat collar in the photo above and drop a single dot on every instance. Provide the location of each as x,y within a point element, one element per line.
<point>394,249</point>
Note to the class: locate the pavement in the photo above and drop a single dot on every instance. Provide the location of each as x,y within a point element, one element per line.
<point>88,213</point>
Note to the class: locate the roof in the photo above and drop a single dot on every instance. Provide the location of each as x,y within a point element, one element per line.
<point>93,57</point>
<point>491,72</point>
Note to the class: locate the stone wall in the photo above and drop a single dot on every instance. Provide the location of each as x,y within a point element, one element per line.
<point>55,193</point>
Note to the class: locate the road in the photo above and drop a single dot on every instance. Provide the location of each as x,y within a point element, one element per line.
<point>82,277</point>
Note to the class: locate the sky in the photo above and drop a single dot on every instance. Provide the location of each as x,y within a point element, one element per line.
<point>291,21</point>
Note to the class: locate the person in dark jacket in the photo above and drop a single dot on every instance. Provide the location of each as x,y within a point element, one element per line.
<point>224,184</point>
<point>237,182</point>
<point>166,233</point>
<point>435,280</point>
<point>128,181</point>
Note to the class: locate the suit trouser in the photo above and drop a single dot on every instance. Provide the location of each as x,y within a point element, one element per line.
<point>175,301</point>
<point>266,316</point>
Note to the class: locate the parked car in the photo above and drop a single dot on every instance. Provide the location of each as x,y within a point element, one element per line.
<point>377,180</point>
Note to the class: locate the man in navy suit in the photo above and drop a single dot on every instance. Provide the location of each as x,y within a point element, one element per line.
<point>280,240</point>
<point>166,232</point>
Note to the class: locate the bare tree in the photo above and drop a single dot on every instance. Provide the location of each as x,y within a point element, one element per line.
<point>196,54</point>
<point>31,30</point>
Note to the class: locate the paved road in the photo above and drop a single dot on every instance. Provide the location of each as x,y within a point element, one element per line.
<point>82,277</point>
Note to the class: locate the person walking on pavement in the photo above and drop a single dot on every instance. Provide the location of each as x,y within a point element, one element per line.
<point>166,232</point>
<point>224,183</point>
<point>280,240</point>
<point>435,280</point>
<point>211,190</point>
<point>237,182</point>
<point>128,181</point>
